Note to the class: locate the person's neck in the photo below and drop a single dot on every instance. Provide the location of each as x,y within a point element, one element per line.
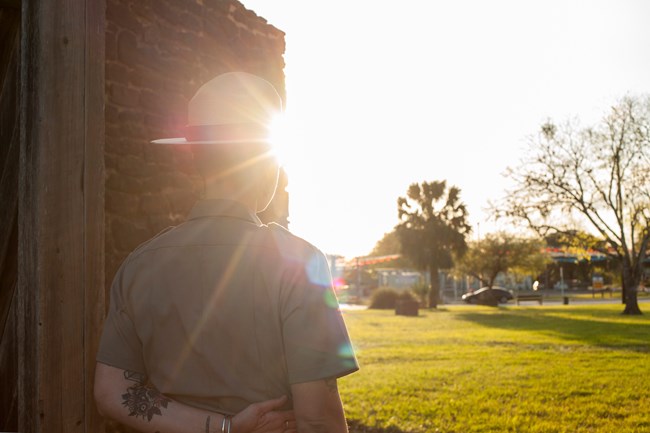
<point>219,192</point>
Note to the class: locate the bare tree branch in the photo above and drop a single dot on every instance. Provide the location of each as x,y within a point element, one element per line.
<point>601,174</point>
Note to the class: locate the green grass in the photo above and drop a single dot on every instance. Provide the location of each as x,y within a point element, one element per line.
<point>512,369</point>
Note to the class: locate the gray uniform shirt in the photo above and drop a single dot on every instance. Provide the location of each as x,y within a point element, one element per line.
<point>222,311</point>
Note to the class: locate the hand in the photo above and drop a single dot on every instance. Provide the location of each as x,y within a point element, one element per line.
<point>263,417</point>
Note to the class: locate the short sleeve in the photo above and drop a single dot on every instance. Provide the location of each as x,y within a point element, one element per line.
<point>120,346</point>
<point>316,341</point>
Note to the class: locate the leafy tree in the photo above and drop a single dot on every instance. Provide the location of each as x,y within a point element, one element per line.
<point>581,244</point>
<point>599,176</point>
<point>502,252</point>
<point>432,229</point>
<point>389,245</point>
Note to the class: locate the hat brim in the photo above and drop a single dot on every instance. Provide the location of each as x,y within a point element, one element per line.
<point>183,140</point>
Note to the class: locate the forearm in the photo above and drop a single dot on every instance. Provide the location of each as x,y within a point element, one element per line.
<point>125,398</point>
<point>318,407</point>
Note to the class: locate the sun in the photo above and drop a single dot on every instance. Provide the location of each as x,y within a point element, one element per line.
<point>285,141</point>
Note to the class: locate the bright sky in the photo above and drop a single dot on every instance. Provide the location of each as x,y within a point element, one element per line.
<point>381,94</point>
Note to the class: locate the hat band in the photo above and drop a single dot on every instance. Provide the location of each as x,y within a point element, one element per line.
<point>227,132</point>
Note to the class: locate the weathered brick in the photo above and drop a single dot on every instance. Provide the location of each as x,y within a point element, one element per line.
<point>181,201</point>
<point>136,167</point>
<point>151,57</point>
<point>123,183</point>
<point>222,6</point>
<point>184,54</point>
<point>188,38</point>
<point>110,114</point>
<point>154,205</point>
<point>182,181</point>
<point>158,223</point>
<point>127,234</point>
<point>247,17</point>
<point>158,154</point>
<point>133,130</point>
<point>191,6</point>
<point>127,49</point>
<point>185,166</point>
<point>221,29</point>
<point>127,146</point>
<point>163,103</point>
<point>144,9</point>
<point>169,13</point>
<point>120,203</point>
<point>123,96</point>
<point>113,134</point>
<point>158,182</point>
<point>110,159</point>
<point>110,44</point>
<point>113,261</point>
<point>191,21</point>
<point>167,48</point>
<point>134,116</point>
<point>131,146</point>
<point>151,34</point>
<point>180,87</point>
<point>147,78</point>
<point>155,122</point>
<point>122,16</point>
<point>154,101</point>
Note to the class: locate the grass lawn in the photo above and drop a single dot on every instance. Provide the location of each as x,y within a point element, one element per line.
<point>509,369</point>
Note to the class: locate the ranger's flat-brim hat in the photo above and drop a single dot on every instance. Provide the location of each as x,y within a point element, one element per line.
<point>236,107</point>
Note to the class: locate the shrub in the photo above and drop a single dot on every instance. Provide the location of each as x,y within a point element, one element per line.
<point>385,298</point>
<point>408,295</point>
<point>421,290</point>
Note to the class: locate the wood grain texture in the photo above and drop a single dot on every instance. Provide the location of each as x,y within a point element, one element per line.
<point>60,213</point>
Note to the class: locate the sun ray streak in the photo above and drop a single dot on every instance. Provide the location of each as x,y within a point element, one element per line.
<point>212,302</point>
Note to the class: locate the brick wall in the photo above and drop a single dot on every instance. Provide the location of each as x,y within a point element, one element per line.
<point>158,53</point>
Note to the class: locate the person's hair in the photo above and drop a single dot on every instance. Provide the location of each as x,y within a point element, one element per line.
<point>245,166</point>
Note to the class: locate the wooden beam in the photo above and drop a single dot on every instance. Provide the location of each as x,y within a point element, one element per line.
<point>60,234</point>
<point>9,157</point>
<point>10,4</point>
<point>9,137</point>
<point>94,250</point>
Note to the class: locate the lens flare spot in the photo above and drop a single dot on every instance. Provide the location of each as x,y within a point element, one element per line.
<point>317,271</point>
<point>330,299</point>
<point>346,353</point>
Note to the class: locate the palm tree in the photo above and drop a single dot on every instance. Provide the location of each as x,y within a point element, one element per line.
<point>432,229</point>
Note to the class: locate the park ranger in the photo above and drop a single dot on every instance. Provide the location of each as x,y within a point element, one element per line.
<point>224,324</point>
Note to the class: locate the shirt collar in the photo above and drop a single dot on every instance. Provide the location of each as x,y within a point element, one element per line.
<point>223,208</point>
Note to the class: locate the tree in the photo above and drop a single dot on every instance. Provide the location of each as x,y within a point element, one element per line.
<point>502,252</point>
<point>432,229</point>
<point>389,245</point>
<point>599,176</point>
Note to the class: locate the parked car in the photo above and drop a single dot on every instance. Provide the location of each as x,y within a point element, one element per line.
<point>488,296</point>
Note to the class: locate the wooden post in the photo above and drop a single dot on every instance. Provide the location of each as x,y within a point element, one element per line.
<point>61,213</point>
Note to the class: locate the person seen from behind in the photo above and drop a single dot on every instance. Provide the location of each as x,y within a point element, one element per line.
<point>222,323</point>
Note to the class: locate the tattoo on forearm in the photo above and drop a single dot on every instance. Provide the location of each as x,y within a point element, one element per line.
<point>142,400</point>
<point>134,376</point>
<point>331,384</point>
<point>207,424</point>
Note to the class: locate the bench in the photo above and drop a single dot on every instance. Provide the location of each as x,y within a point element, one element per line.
<point>529,297</point>
<point>602,292</point>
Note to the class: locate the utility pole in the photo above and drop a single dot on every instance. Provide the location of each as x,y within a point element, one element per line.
<point>358,279</point>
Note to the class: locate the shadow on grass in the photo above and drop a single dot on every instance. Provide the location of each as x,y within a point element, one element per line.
<point>592,328</point>
<point>357,427</point>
